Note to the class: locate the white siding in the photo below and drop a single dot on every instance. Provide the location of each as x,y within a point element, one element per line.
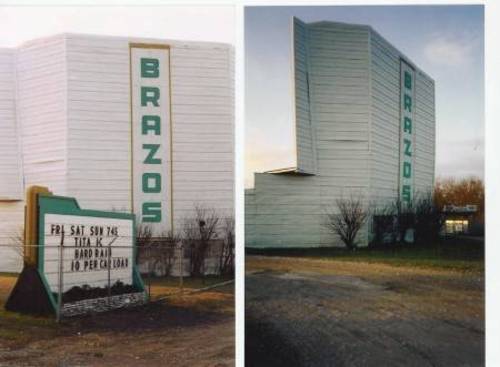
<point>73,116</point>
<point>251,233</point>
<point>333,113</point>
<point>203,140</point>
<point>385,71</point>
<point>385,129</point>
<point>304,128</point>
<point>11,185</point>
<point>347,83</point>
<point>286,211</point>
<point>99,124</point>
<point>41,110</point>
<point>425,130</point>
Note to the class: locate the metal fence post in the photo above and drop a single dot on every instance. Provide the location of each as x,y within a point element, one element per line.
<point>61,269</point>
<point>109,272</point>
<point>181,274</point>
<point>149,252</point>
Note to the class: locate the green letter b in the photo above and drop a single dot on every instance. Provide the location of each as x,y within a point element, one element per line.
<point>150,68</point>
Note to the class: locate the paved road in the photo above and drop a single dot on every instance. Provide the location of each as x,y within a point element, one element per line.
<point>319,319</point>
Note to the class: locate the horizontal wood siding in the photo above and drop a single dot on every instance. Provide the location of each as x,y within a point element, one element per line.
<point>11,184</point>
<point>283,211</point>
<point>332,87</point>
<point>250,218</point>
<point>11,232</point>
<point>304,129</point>
<point>385,130</point>
<point>339,65</point>
<point>41,109</point>
<point>99,120</point>
<point>39,71</point>
<point>353,89</point>
<point>425,130</point>
<point>385,126</point>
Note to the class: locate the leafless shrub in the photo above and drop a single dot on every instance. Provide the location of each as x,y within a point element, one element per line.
<point>157,252</point>
<point>420,221</point>
<point>198,232</point>
<point>17,240</point>
<point>384,225</point>
<point>405,221</point>
<point>429,220</point>
<point>347,220</point>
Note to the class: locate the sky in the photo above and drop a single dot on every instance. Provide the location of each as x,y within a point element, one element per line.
<point>447,42</point>
<point>196,23</point>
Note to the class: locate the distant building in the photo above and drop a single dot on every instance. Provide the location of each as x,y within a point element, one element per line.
<point>125,124</point>
<point>364,122</point>
<point>461,220</point>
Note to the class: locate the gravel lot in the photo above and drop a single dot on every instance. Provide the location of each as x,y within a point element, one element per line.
<point>303,312</point>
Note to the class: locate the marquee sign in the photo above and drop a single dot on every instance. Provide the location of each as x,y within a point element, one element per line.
<point>151,135</point>
<point>84,259</point>
<point>96,250</point>
<point>407,134</point>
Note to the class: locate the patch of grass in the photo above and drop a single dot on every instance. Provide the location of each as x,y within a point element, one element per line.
<point>455,254</point>
<point>18,328</point>
<point>188,282</point>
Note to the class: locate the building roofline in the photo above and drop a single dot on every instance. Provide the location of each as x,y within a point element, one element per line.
<point>176,43</point>
<point>289,170</point>
<point>371,29</point>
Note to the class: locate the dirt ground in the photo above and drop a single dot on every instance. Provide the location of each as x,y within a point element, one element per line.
<point>313,312</point>
<point>192,330</point>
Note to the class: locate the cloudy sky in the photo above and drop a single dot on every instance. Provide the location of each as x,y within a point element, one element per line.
<point>197,23</point>
<point>445,41</point>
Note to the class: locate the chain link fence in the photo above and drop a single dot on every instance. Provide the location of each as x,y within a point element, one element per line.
<point>168,267</point>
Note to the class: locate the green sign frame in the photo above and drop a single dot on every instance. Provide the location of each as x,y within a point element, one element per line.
<point>50,204</point>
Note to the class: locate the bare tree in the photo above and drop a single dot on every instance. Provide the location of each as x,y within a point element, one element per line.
<point>198,232</point>
<point>226,258</point>
<point>347,220</point>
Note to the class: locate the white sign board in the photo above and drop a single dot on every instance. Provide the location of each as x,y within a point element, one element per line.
<point>151,136</point>
<point>93,249</point>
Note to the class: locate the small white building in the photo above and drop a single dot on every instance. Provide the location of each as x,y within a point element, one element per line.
<point>364,123</point>
<point>123,124</point>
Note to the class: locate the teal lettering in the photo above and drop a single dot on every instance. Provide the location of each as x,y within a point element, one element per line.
<point>406,169</point>
<point>407,80</point>
<point>150,68</point>
<point>406,193</point>
<point>150,94</point>
<point>151,212</point>
<point>407,102</point>
<point>153,148</point>
<point>407,144</point>
<point>151,123</point>
<point>407,125</point>
<point>149,177</point>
